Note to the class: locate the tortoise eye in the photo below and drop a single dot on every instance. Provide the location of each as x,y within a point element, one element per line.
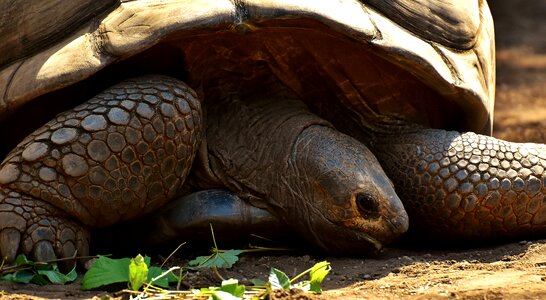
<point>367,205</point>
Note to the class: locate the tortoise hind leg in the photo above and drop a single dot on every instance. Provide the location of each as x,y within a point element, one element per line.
<point>117,156</point>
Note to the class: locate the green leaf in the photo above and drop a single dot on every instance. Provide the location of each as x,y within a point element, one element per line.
<point>56,277</point>
<point>233,287</point>
<point>318,273</point>
<point>39,279</point>
<point>258,282</point>
<point>23,276</point>
<point>278,279</point>
<point>21,259</point>
<point>38,273</point>
<point>72,275</point>
<point>138,272</point>
<point>221,295</point>
<point>219,259</point>
<point>164,281</point>
<point>106,271</point>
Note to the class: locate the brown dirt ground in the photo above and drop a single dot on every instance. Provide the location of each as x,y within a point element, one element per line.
<point>508,271</point>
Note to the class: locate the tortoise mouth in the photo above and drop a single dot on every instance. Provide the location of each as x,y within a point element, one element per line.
<point>355,241</point>
<point>349,242</point>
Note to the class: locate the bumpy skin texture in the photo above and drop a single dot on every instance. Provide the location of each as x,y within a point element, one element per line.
<point>119,155</point>
<point>465,185</point>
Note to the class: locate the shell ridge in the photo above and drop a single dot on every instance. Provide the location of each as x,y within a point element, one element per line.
<point>9,84</point>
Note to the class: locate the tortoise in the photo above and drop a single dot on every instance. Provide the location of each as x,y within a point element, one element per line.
<point>311,112</point>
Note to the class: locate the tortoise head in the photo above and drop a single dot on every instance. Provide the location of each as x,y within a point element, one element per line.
<point>348,203</point>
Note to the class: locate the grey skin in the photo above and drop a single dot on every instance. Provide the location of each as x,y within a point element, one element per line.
<point>128,151</point>
<point>461,186</point>
<point>321,182</point>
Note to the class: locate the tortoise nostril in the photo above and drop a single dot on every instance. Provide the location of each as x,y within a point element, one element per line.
<point>368,206</point>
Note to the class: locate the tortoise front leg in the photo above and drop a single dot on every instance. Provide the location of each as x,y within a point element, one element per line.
<point>120,155</point>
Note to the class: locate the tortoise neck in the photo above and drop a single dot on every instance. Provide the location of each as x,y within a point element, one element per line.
<point>249,140</point>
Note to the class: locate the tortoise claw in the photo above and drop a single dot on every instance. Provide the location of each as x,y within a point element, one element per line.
<point>72,242</point>
<point>9,243</point>
<point>43,251</point>
<point>82,243</point>
<point>39,230</point>
<point>67,250</point>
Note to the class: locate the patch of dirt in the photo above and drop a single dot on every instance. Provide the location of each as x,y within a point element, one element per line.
<point>508,271</point>
<point>520,112</point>
<point>14,291</point>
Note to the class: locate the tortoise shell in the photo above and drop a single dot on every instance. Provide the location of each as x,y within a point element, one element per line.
<point>429,62</point>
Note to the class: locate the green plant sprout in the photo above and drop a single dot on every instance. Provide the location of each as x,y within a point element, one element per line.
<point>152,282</point>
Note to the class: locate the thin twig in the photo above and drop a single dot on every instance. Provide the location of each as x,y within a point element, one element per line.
<point>263,238</point>
<point>261,249</point>
<point>172,253</point>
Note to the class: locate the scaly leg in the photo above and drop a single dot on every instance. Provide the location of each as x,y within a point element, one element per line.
<point>467,185</point>
<point>117,156</point>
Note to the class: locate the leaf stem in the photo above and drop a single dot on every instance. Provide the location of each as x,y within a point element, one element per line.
<point>300,275</point>
<point>215,270</point>
<point>213,238</point>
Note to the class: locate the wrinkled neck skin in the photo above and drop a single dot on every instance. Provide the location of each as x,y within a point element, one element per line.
<point>272,152</point>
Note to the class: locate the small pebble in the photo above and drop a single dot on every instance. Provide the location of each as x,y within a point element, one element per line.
<point>406,258</point>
